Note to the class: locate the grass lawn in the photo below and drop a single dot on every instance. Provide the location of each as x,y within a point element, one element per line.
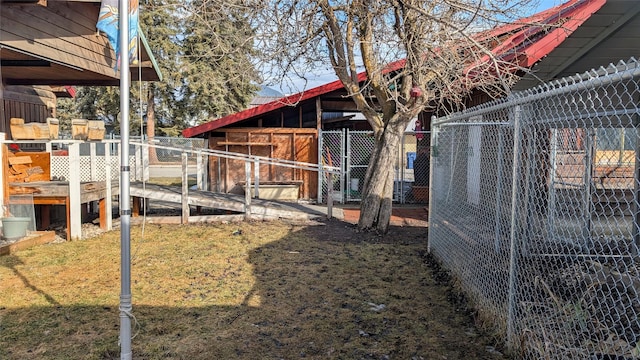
<point>252,290</point>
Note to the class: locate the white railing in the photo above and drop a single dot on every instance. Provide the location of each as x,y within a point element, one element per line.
<point>249,161</point>
<point>74,169</point>
<point>78,161</point>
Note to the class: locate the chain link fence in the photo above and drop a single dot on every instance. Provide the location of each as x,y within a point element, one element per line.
<point>351,151</point>
<point>159,155</point>
<point>536,211</point>
<point>174,156</point>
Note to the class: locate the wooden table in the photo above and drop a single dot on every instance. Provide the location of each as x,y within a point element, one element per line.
<point>48,193</point>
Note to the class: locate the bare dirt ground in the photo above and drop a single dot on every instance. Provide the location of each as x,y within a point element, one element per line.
<point>450,329</point>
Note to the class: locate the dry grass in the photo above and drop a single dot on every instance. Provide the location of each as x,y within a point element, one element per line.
<point>171,181</point>
<point>235,291</point>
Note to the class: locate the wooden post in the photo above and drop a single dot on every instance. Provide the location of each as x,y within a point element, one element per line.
<point>45,216</point>
<point>67,207</point>
<point>185,189</point>
<point>247,190</point>
<point>136,206</point>
<point>74,208</point>
<point>294,171</point>
<point>219,177</point>
<point>103,213</point>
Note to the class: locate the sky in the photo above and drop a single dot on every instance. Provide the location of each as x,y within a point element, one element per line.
<point>322,77</point>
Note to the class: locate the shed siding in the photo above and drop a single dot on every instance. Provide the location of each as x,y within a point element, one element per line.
<point>280,143</point>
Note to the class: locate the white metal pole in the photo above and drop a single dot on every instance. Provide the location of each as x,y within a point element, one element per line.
<point>185,189</point>
<point>75,194</point>
<point>514,232</point>
<point>199,171</point>
<point>109,184</point>
<point>125,201</point>
<point>94,161</point>
<point>247,190</point>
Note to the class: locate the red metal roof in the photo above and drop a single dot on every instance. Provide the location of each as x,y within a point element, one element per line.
<point>524,44</point>
<point>71,90</point>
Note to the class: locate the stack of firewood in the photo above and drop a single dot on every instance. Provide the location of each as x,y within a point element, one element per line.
<point>21,168</point>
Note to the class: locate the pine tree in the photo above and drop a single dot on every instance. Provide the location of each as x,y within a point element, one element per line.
<point>204,54</point>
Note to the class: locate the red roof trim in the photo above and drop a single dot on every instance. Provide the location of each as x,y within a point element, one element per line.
<point>577,12</point>
<point>70,90</point>
<point>262,109</point>
<point>278,104</point>
<point>518,44</point>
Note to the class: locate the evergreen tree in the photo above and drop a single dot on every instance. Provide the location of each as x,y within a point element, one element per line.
<point>204,54</point>
<point>219,77</point>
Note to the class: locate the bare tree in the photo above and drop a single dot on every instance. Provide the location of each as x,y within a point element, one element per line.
<point>418,55</point>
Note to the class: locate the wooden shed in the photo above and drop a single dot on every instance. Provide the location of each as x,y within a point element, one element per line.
<point>538,43</point>
<point>296,144</point>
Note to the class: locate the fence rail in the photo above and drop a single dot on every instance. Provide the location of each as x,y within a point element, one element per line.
<point>536,210</point>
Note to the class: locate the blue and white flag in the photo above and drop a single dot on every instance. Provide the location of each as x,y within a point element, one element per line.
<point>108,24</point>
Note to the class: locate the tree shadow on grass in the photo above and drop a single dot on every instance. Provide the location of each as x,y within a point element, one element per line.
<point>318,294</point>
<point>11,263</point>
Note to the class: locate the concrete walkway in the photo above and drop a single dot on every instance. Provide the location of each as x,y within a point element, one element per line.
<point>401,215</point>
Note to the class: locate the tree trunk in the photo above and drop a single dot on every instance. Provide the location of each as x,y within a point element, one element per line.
<point>377,195</point>
<point>151,128</point>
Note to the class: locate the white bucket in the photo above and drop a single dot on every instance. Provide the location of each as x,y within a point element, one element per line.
<point>15,227</point>
<point>355,184</point>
